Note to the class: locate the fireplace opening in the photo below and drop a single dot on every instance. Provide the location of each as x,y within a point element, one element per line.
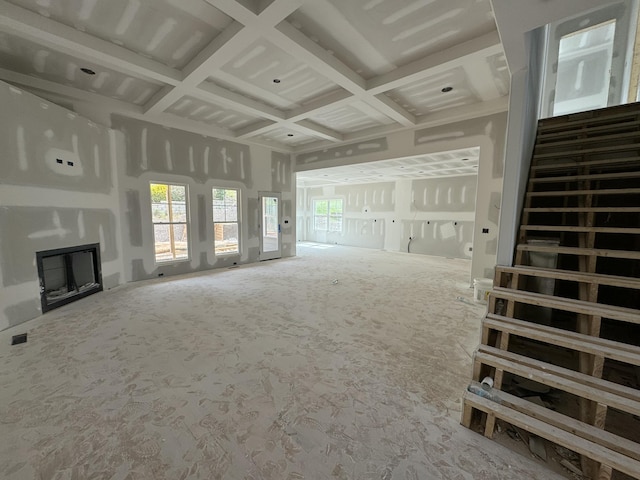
<point>68,274</point>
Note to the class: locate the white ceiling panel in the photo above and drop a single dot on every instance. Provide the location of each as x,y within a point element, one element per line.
<point>24,56</point>
<point>287,137</point>
<point>209,113</point>
<point>427,95</point>
<point>374,37</point>
<point>255,68</point>
<point>170,31</point>
<point>351,118</point>
<point>436,165</point>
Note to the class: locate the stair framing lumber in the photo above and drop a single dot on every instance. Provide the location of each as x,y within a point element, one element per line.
<point>567,439</point>
<point>596,252</point>
<point>570,305</point>
<point>563,228</point>
<point>575,121</point>
<point>606,439</point>
<point>588,151</point>
<point>564,338</point>
<point>607,191</point>
<point>594,176</point>
<point>611,280</point>
<point>607,393</point>
<point>589,130</point>
<point>583,209</point>
<point>574,164</point>
<point>582,140</point>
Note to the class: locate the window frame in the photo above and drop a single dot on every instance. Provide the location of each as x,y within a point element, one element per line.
<point>186,223</point>
<point>329,218</point>
<point>236,222</point>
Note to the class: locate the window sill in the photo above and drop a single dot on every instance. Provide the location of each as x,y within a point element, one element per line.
<point>172,262</point>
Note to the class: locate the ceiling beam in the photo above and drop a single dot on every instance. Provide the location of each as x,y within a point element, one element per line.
<point>35,27</point>
<point>291,40</point>
<point>255,129</point>
<point>312,128</point>
<point>222,49</point>
<point>436,63</point>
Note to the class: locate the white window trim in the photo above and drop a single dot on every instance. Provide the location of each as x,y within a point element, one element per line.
<point>238,216</point>
<point>187,223</point>
<point>328,216</point>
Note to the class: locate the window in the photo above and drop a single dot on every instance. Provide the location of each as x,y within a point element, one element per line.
<point>584,69</point>
<point>327,215</point>
<point>169,212</point>
<point>225,221</point>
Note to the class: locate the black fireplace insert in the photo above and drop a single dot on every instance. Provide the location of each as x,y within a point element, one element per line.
<point>68,274</point>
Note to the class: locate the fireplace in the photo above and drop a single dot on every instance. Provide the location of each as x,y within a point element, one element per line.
<point>68,274</point>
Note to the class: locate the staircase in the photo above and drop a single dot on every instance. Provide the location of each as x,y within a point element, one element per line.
<point>564,320</point>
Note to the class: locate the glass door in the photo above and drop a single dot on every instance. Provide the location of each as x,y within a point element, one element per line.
<point>270,234</point>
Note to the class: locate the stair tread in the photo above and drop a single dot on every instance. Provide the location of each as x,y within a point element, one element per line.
<point>592,176</point>
<point>622,352</point>
<point>589,130</point>
<point>600,252</point>
<point>594,388</point>
<point>582,209</point>
<point>599,278</point>
<point>579,153</point>
<point>563,430</point>
<point>608,162</point>
<point>570,304</point>
<point>607,191</point>
<point>566,228</point>
<point>588,140</point>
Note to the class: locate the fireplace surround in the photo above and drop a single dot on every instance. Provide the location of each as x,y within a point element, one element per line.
<point>68,274</point>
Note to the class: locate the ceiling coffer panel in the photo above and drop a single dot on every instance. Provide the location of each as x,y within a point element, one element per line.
<point>351,118</point>
<point>374,37</point>
<point>194,109</point>
<point>24,56</point>
<point>445,90</point>
<point>169,31</point>
<point>271,75</point>
<point>286,136</point>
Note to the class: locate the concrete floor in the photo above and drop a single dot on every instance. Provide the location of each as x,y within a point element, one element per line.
<point>268,371</point>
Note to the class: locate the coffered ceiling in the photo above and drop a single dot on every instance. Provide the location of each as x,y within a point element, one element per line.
<point>291,74</point>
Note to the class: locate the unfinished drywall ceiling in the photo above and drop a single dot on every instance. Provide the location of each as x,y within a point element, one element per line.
<point>433,165</point>
<point>171,32</point>
<point>326,71</point>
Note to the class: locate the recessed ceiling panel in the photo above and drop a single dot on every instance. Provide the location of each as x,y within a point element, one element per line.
<point>376,36</point>
<point>446,90</point>
<point>285,136</point>
<point>273,76</point>
<point>170,31</point>
<point>30,58</point>
<point>351,118</point>
<point>194,109</point>
<point>436,165</point>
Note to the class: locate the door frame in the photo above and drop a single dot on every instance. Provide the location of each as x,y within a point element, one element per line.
<point>275,253</point>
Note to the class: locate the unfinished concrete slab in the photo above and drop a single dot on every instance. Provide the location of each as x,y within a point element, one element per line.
<point>228,374</point>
